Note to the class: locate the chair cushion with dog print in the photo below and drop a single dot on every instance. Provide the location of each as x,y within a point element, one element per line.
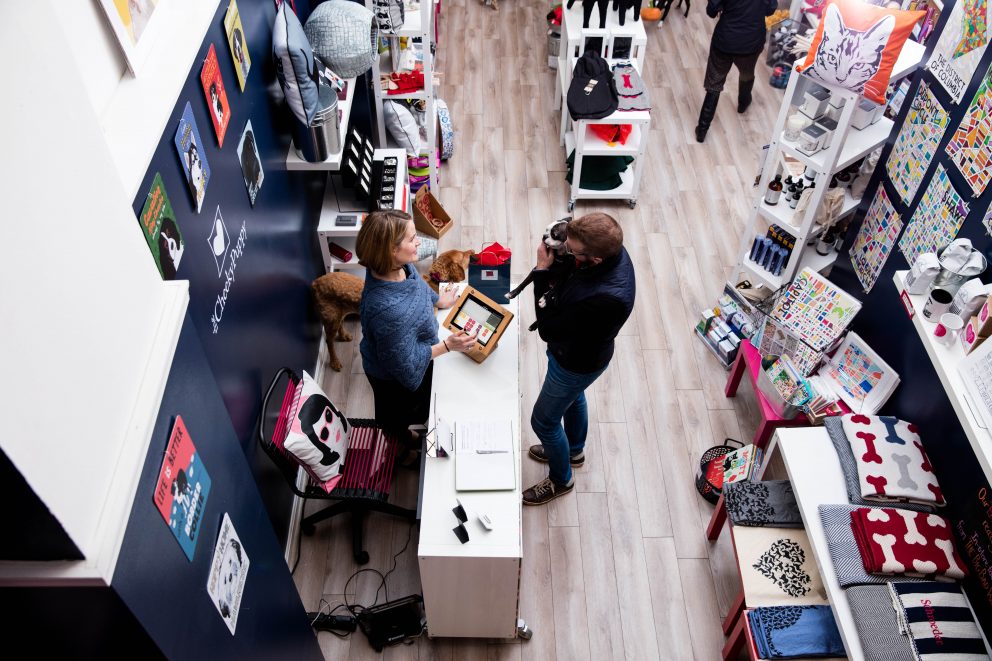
<point>318,434</point>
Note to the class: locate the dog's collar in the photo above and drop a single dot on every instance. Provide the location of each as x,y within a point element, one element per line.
<point>435,277</point>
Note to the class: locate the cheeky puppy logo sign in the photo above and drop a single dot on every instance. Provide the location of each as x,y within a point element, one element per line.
<point>225,273</point>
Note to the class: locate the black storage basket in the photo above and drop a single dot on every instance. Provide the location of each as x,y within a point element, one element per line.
<point>707,489</point>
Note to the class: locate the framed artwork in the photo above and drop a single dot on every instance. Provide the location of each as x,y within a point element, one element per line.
<point>136,24</point>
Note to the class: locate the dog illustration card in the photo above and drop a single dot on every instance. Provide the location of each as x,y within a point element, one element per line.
<point>193,157</point>
<point>228,574</point>
<point>251,162</point>
<point>239,45</point>
<point>213,89</point>
<point>182,488</point>
<point>158,224</point>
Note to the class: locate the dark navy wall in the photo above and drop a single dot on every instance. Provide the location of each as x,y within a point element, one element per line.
<point>166,592</point>
<point>921,397</point>
<point>265,321</point>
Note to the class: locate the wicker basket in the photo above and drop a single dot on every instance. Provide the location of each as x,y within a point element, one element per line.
<point>707,489</point>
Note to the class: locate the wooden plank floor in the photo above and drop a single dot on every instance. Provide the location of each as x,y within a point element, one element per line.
<point>620,569</point>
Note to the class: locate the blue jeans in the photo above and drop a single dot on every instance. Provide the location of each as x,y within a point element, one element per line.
<point>562,400</point>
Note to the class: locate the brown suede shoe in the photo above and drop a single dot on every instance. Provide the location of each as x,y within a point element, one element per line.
<point>545,491</point>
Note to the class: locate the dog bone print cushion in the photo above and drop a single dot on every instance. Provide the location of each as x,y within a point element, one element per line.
<point>318,434</point>
<point>892,464</point>
<point>893,541</point>
<point>857,44</point>
<point>777,567</point>
<point>849,466</point>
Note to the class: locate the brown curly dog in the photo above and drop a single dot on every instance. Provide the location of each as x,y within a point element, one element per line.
<point>336,295</point>
<point>450,266</point>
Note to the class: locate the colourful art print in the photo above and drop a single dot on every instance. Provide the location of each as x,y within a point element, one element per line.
<point>960,47</point>
<point>917,143</point>
<point>815,309</point>
<point>213,89</point>
<point>136,24</point>
<point>228,574</point>
<point>875,239</point>
<point>182,488</point>
<point>239,45</point>
<point>772,339</point>
<point>856,371</point>
<point>937,218</point>
<point>970,146</point>
<point>193,157</point>
<point>158,224</point>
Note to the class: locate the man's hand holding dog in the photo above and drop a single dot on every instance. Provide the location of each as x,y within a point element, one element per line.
<point>545,257</point>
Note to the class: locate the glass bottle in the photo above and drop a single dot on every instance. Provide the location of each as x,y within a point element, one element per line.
<point>774,191</point>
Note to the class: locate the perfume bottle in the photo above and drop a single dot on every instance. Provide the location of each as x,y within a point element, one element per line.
<point>774,191</point>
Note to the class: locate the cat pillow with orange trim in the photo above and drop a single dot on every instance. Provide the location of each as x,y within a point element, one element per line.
<point>857,44</point>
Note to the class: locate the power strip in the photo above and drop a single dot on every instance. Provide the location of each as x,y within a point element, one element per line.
<point>327,622</point>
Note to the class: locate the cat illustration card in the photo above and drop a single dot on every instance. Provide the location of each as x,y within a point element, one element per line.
<point>193,157</point>
<point>158,224</point>
<point>857,44</point>
<point>213,89</point>
<point>251,163</point>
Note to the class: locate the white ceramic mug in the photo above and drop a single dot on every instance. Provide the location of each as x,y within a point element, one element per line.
<point>937,303</point>
<point>948,328</point>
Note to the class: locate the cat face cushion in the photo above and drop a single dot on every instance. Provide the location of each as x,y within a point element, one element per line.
<point>857,44</point>
<point>318,434</point>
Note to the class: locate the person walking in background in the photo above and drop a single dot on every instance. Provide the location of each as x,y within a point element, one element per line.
<point>738,39</point>
<point>580,309</point>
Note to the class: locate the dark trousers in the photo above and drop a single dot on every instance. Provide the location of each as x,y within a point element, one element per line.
<point>396,408</point>
<point>718,66</point>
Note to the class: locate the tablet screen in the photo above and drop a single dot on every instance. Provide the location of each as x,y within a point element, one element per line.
<point>477,317</point>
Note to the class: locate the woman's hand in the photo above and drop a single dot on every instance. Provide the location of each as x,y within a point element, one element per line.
<point>460,341</point>
<point>448,296</point>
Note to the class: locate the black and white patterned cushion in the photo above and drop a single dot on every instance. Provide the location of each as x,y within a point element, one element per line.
<point>875,619</point>
<point>765,503</point>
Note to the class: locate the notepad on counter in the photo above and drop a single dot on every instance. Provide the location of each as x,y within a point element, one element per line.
<point>484,459</point>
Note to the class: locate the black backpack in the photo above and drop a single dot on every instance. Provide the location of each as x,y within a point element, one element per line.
<point>593,92</point>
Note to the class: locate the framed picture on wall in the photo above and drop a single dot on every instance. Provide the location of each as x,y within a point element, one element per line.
<point>136,24</point>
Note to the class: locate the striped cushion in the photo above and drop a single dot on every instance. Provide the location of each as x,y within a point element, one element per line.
<point>871,607</point>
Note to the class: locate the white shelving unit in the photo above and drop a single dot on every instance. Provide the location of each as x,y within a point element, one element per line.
<point>417,24</point>
<point>333,162</point>
<point>576,135</point>
<point>335,205</point>
<point>846,147</point>
<point>945,362</point>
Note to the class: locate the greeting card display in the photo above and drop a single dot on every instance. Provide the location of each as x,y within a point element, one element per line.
<point>192,156</point>
<point>158,224</point>
<point>228,574</point>
<point>182,488</point>
<point>213,89</point>
<point>251,162</point>
<point>238,43</point>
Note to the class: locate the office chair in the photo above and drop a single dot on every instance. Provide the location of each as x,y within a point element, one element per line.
<point>366,478</point>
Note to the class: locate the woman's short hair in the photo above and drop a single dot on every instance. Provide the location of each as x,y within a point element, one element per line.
<point>381,232</point>
<point>599,233</point>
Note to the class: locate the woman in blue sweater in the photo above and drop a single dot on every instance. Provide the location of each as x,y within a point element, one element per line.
<point>399,326</point>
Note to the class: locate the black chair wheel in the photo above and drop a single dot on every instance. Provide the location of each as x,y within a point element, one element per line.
<point>362,558</point>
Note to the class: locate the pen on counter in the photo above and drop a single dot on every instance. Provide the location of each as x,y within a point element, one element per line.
<point>491,451</point>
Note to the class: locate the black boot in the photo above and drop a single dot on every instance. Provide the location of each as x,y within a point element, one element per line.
<point>706,115</point>
<point>744,95</point>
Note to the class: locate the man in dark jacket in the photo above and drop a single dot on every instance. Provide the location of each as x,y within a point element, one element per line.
<point>738,38</point>
<point>580,309</point>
